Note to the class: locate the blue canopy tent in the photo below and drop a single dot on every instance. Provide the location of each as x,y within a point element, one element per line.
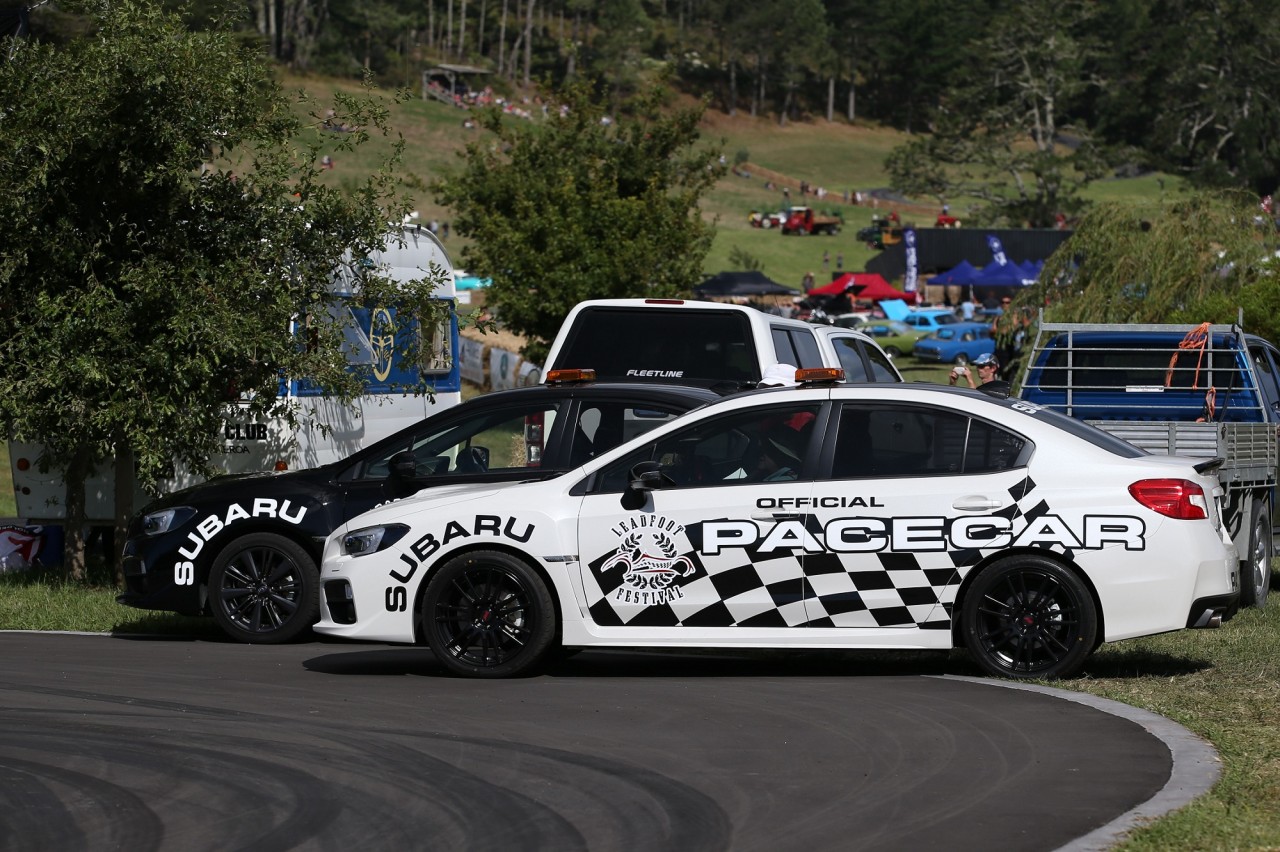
<point>996,275</point>
<point>963,272</point>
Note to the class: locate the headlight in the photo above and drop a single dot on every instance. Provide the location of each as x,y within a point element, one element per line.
<point>372,539</point>
<point>158,523</point>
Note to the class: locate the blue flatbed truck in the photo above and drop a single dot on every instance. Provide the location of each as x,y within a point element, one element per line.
<point>1206,391</point>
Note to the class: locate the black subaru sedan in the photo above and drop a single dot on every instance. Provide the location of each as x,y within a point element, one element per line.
<point>245,549</point>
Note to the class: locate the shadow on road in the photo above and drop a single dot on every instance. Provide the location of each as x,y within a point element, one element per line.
<point>719,663</point>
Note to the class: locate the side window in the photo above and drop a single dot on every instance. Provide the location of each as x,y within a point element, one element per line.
<point>756,445</point>
<point>1265,369</point>
<point>850,359</point>
<point>603,426</point>
<point>494,440</point>
<point>881,368</point>
<point>892,441</point>
<point>796,347</point>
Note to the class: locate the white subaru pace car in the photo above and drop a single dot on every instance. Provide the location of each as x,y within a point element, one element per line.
<point>820,516</point>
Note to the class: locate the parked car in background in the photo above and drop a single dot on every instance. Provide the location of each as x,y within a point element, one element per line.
<point>956,343</point>
<point>895,337</point>
<point>711,344</point>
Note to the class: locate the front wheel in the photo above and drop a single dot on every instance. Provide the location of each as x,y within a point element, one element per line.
<point>962,359</point>
<point>264,589</point>
<point>1028,617</point>
<point>1255,572</point>
<point>488,614</point>
<point>892,352</point>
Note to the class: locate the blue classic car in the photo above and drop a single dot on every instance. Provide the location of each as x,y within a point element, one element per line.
<point>959,342</point>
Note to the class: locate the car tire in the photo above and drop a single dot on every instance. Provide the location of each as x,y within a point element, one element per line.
<point>892,352</point>
<point>962,360</point>
<point>264,589</point>
<point>1255,572</point>
<point>488,614</point>
<point>1029,617</point>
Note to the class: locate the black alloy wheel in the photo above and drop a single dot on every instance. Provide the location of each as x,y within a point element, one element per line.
<point>1029,617</point>
<point>488,614</point>
<point>264,588</point>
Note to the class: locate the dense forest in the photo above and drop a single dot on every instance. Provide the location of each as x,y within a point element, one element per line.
<point>1187,87</point>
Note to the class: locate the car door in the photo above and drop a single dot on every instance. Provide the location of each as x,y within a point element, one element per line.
<point>701,552</point>
<point>906,497</point>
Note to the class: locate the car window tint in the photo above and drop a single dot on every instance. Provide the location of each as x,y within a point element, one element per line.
<point>881,369</point>
<point>603,426</point>
<point>847,351</point>
<point>755,445</point>
<point>1266,375</point>
<point>506,438</point>
<point>899,440</point>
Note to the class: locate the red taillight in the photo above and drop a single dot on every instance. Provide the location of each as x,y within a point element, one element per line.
<point>1173,498</point>
<point>23,464</point>
<point>281,465</point>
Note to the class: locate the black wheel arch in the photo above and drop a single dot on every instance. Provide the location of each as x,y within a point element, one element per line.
<point>419,638</point>
<point>957,629</point>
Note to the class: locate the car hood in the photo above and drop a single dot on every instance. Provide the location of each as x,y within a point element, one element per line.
<point>233,484</point>
<point>425,500</point>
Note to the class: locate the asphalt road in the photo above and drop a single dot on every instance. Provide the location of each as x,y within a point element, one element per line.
<point>110,743</point>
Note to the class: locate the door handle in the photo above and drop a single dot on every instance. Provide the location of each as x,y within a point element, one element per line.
<point>976,503</point>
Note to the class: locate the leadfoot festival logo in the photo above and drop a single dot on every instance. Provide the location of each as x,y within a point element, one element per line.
<point>649,558</point>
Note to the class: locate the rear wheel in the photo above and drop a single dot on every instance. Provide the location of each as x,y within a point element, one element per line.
<point>1029,617</point>
<point>892,351</point>
<point>962,359</point>
<point>264,589</point>
<point>488,614</point>
<point>1255,572</point>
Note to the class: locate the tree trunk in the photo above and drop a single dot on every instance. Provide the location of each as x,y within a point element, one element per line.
<point>448,29</point>
<point>528,40</point>
<point>73,533</point>
<point>733,87</point>
<point>124,488</point>
<point>462,30</point>
<point>484,11</point>
<point>831,98</point>
<point>502,37</point>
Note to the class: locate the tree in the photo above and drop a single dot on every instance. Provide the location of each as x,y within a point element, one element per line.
<point>1000,136</point>
<point>582,207</point>
<point>144,283</point>
<point>1202,258</point>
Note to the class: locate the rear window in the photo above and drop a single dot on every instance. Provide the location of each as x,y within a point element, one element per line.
<point>657,344</point>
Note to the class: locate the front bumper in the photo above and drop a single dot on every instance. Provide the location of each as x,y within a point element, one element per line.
<point>155,579</point>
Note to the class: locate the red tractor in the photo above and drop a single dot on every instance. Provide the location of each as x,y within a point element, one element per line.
<point>803,220</point>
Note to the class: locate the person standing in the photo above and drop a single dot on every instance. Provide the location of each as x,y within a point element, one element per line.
<point>988,368</point>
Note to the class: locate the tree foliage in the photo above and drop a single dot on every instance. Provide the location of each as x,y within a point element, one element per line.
<point>584,205</point>
<point>999,136</point>
<point>164,227</point>
<point>1203,258</point>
